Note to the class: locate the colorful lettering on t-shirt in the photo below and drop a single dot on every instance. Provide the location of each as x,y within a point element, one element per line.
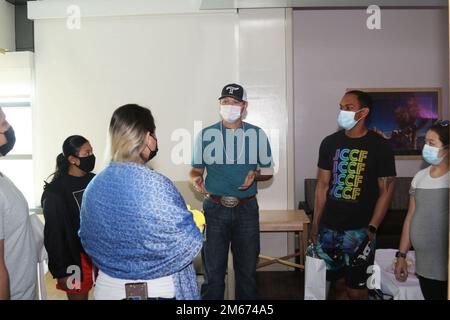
<point>348,168</point>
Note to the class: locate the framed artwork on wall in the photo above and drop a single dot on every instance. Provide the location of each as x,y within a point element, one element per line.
<point>403,116</point>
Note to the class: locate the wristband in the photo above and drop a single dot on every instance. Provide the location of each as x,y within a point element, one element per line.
<point>372,229</point>
<point>399,254</point>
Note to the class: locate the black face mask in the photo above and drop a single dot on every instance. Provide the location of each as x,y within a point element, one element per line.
<point>11,141</point>
<point>87,164</point>
<point>152,153</point>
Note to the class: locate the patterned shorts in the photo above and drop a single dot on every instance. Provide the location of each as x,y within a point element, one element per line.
<point>343,251</point>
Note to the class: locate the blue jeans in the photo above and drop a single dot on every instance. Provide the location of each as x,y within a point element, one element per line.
<point>240,227</point>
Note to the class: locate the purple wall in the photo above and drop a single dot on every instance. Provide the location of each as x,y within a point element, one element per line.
<point>334,50</point>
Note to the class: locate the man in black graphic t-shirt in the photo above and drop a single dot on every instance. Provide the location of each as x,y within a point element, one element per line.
<point>355,185</point>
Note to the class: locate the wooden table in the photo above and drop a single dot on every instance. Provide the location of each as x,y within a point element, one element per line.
<point>285,221</point>
<point>276,221</point>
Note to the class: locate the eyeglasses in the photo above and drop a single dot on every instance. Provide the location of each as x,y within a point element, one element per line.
<point>442,123</point>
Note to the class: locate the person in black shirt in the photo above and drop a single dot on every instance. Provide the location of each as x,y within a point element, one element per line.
<point>61,203</point>
<point>356,178</point>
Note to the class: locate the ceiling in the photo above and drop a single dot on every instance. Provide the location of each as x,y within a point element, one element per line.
<point>247,4</point>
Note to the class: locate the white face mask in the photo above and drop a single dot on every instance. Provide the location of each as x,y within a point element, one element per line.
<point>230,113</point>
<point>431,155</point>
<point>346,119</point>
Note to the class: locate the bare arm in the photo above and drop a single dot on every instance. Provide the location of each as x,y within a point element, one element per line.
<point>386,189</point>
<point>323,180</point>
<point>263,174</point>
<point>196,172</point>
<point>401,267</point>
<point>196,176</point>
<point>4,276</point>
<point>405,242</point>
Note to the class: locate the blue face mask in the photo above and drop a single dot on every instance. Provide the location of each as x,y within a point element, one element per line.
<point>346,119</point>
<point>430,155</point>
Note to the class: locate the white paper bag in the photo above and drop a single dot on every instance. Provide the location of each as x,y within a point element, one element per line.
<point>315,279</point>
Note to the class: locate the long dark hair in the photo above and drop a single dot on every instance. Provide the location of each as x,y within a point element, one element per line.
<point>71,147</point>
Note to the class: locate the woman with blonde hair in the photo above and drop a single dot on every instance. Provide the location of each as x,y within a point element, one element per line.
<point>135,225</point>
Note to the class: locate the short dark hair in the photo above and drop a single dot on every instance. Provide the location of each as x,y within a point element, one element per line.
<point>364,99</point>
<point>442,130</point>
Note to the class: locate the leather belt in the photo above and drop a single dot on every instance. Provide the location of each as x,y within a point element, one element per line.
<point>229,202</point>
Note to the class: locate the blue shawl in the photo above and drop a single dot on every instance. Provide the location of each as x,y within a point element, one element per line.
<point>135,225</point>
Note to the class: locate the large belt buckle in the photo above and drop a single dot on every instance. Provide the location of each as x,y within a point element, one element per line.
<point>229,202</point>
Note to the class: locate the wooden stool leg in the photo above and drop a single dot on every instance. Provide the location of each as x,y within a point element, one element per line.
<point>300,247</point>
<point>304,243</point>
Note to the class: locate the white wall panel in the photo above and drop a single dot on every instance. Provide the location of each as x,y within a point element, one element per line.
<point>263,69</point>
<point>7,28</point>
<point>175,65</point>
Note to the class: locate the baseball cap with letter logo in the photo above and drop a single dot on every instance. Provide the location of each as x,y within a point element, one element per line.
<point>235,91</point>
